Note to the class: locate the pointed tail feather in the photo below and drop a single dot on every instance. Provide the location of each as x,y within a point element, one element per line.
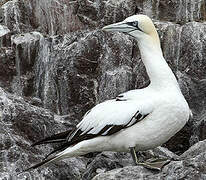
<point>63,138</point>
<point>44,162</point>
<point>56,138</point>
<point>39,164</point>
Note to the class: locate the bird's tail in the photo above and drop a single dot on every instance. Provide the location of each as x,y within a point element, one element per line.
<point>68,140</point>
<point>46,161</point>
<point>56,138</point>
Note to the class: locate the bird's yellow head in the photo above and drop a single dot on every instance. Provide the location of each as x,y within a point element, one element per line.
<point>138,26</point>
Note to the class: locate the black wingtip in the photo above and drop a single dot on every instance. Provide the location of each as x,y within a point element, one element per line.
<point>60,148</point>
<point>56,138</point>
<point>45,141</point>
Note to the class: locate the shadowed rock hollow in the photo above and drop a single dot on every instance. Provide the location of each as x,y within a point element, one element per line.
<point>56,63</point>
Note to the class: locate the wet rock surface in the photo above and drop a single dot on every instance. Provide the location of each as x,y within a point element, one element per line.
<point>56,63</point>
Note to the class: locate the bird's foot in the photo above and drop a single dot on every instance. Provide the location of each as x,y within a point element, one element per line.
<point>154,163</point>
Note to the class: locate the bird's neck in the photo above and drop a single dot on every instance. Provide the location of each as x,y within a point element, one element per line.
<point>161,76</point>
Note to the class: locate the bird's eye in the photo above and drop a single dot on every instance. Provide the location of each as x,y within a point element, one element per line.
<point>135,23</point>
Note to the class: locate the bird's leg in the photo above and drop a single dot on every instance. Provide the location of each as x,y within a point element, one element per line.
<point>155,164</point>
<point>134,155</point>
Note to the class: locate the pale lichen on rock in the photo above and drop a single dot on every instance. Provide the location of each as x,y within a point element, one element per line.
<point>47,46</point>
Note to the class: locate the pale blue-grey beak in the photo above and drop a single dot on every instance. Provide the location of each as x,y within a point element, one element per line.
<point>125,27</point>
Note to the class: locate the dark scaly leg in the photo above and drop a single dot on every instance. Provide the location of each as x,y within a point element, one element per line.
<point>156,164</point>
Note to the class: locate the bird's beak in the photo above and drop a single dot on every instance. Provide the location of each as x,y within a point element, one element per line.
<point>120,27</point>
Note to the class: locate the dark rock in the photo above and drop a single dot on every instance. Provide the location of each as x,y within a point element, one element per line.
<point>106,161</point>
<point>126,173</point>
<point>195,150</point>
<point>8,69</point>
<point>159,152</point>
<point>47,46</point>
<point>176,11</point>
<point>201,127</point>
<point>192,167</point>
<point>55,17</point>
<point>69,59</point>
<point>26,48</point>
<point>21,124</point>
<point>4,36</point>
<point>16,16</point>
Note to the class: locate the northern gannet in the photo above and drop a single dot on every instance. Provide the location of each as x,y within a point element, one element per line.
<point>136,120</point>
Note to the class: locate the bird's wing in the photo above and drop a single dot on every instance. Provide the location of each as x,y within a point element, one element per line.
<point>110,117</point>
<point>104,119</point>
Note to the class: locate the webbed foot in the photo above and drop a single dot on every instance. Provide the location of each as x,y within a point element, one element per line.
<point>153,163</point>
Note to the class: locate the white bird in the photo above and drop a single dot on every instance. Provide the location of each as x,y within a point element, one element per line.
<point>136,120</point>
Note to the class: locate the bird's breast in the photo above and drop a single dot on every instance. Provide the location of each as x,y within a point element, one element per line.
<point>157,128</point>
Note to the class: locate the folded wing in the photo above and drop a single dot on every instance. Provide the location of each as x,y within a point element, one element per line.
<point>104,119</point>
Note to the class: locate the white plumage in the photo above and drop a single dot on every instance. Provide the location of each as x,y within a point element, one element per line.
<point>142,119</point>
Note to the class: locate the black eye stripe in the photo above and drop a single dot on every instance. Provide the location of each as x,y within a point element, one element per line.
<point>134,24</point>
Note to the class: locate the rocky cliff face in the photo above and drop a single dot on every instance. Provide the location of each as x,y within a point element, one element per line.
<point>56,63</point>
